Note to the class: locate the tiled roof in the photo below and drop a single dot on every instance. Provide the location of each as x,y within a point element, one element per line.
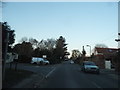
<point>107,52</point>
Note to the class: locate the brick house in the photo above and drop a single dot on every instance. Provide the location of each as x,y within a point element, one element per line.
<point>103,54</point>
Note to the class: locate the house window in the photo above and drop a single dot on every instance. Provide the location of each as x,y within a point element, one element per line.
<point>110,50</point>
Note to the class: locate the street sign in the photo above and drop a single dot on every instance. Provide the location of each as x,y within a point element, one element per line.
<point>44,56</point>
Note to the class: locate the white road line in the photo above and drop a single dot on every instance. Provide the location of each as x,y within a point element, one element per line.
<point>96,85</point>
<point>50,72</point>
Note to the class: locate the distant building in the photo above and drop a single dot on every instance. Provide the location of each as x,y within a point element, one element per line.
<point>104,54</point>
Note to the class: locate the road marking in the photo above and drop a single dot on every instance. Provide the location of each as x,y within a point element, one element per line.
<point>37,66</point>
<point>50,73</point>
<point>96,85</point>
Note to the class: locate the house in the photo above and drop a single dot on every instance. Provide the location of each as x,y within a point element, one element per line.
<point>104,54</point>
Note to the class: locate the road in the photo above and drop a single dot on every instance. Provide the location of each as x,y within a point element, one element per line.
<point>68,75</point>
<point>39,69</point>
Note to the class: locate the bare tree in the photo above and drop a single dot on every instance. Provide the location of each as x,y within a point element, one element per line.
<point>101,46</point>
<point>75,54</point>
<point>34,42</point>
<point>24,39</point>
<point>51,44</point>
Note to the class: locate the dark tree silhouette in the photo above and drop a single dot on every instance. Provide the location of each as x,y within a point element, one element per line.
<point>83,52</point>
<point>24,50</point>
<point>7,29</point>
<point>75,54</point>
<point>61,49</point>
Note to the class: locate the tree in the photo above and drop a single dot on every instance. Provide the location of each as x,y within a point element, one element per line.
<point>42,44</point>
<point>47,44</point>
<point>24,39</point>
<point>7,41</point>
<point>83,52</point>
<point>75,54</point>
<point>5,30</point>
<point>50,44</point>
<point>61,49</point>
<point>44,47</point>
<point>34,42</point>
<point>101,46</point>
<point>24,50</point>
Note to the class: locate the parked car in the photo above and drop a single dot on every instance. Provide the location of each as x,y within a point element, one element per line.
<point>89,66</point>
<point>36,60</point>
<point>71,61</point>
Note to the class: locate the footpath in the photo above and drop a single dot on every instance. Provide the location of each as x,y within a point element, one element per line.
<point>31,82</point>
<point>111,73</point>
<point>34,80</point>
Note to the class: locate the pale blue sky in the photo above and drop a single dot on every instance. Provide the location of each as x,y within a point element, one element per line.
<point>81,23</point>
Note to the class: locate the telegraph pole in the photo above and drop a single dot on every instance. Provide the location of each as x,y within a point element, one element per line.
<point>117,39</point>
<point>5,55</point>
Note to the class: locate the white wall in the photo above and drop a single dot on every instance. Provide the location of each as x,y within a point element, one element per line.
<point>107,64</point>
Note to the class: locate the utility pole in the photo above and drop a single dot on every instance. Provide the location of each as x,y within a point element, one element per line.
<point>5,55</point>
<point>117,39</point>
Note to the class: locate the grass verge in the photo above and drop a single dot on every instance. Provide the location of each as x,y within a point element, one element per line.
<point>13,77</point>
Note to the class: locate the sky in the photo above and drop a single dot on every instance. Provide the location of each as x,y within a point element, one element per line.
<point>80,23</point>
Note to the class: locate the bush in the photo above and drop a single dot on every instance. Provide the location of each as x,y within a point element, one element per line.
<point>24,59</point>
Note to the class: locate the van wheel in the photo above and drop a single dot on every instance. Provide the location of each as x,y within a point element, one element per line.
<point>34,63</point>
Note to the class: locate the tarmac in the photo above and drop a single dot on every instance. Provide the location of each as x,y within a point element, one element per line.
<point>35,79</point>
<point>31,82</point>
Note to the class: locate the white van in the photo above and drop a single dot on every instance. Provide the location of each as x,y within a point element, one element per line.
<point>39,61</point>
<point>36,60</point>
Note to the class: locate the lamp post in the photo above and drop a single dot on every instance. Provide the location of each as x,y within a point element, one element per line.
<point>90,50</point>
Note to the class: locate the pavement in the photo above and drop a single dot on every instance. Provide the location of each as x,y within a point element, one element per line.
<point>35,80</point>
<point>111,73</point>
<point>31,82</point>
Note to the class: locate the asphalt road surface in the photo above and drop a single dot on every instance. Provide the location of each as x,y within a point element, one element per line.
<point>68,75</point>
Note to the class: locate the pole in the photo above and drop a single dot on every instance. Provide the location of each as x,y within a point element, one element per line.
<point>90,52</point>
<point>5,56</point>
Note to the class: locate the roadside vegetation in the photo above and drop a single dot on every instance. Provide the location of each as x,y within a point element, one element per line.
<point>13,77</point>
<point>54,49</point>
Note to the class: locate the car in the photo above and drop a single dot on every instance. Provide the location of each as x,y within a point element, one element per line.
<point>89,66</point>
<point>66,59</point>
<point>36,60</point>
<point>71,61</point>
